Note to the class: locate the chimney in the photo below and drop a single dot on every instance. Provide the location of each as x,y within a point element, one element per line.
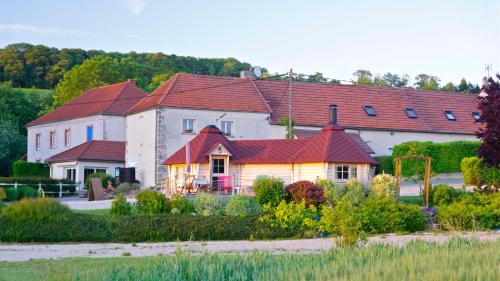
<point>247,74</point>
<point>333,114</point>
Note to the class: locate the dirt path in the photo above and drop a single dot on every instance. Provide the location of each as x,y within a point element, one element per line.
<point>23,252</point>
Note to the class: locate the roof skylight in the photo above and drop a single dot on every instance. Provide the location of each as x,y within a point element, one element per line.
<point>411,113</point>
<point>475,115</point>
<point>449,114</point>
<point>370,111</point>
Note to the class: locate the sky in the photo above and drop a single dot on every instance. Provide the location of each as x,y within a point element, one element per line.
<point>448,39</point>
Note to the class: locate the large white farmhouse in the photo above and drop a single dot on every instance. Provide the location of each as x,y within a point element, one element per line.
<point>159,124</point>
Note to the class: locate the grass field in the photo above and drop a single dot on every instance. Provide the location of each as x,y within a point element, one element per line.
<point>455,260</point>
<point>413,199</point>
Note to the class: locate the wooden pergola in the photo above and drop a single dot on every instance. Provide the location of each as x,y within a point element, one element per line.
<point>427,177</point>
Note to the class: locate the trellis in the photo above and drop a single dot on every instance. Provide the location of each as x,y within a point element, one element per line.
<point>427,176</point>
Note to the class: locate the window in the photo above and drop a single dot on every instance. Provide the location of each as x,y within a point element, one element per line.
<point>411,113</point>
<point>52,139</point>
<point>226,127</point>
<point>345,172</point>
<point>89,171</point>
<point>217,166</point>
<point>187,125</point>
<point>67,137</point>
<point>71,174</point>
<point>37,141</point>
<point>370,111</point>
<point>90,132</point>
<point>475,115</point>
<point>449,115</point>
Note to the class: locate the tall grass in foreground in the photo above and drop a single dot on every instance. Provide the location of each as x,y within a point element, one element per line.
<point>454,260</point>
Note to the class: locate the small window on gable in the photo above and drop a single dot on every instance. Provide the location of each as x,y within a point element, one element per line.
<point>449,114</point>
<point>411,113</point>
<point>226,127</point>
<point>475,115</point>
<point>188,125</point>
<point>370,111</point>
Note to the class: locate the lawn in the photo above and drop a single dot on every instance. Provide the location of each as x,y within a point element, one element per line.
<point>412,199</point>
<point>454,260</point>
<point>101,212</point>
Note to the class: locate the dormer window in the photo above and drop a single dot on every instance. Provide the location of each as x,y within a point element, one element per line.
<point>449,114</point>
<point>370,111</point>
<point>411,113</point>
<point>475,115</point>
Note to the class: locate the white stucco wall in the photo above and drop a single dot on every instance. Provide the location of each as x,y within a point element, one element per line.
<point>58,170</point>
<point>104,128</point>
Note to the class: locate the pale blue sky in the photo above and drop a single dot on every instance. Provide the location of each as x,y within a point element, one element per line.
<point>449,39</point>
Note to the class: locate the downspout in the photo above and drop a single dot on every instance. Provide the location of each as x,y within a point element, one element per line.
<point>156,146</point>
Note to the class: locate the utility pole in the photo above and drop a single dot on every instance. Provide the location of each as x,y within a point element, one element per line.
<point>290,105</point>
<point>487,67</point>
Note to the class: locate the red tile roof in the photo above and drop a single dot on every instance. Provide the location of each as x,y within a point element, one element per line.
<point>96,150</point>
<point>113,99</point>
<point>310,103</point>
<point>306,134</point>
<point>206,92</point>
<point>331,144</point>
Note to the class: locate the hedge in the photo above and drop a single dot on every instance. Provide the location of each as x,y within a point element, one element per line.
<point>137,228</point>
<point>48,184</point>
<point>21,168</point>
<point>385,165</point>
<point>477,174</point>
<point>446,156</point>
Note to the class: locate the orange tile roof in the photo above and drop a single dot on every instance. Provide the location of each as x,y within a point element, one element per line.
<point>115,99</point>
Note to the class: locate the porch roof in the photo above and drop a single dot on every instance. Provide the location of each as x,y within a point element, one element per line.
<point>96,150</point>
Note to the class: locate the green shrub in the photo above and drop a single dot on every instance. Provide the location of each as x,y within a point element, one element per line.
<point>442,194</point>
<point>242,206</point>
<point>207,204</point>
<point>384,186</point>
<point>269,190</point>
<point>11,194</point>
<point>39,209</point>
<point>152,202</point>
<point>306,191</point>
<point>3,195</point>
<point>21,168</point>
<point>385,165</point>
<point>446,156</point>
<point>120,206</point>
<point>355,191</point>
<point>379,215</point>
<point>343,220</point>
<point>411,218</point>
<point>104,179</point>
<point>292,216</point>
<point>48,184</point>
<point>27,192</point>
<point>181,204</point>
<point>138,228</point>
<point>479,175</point>
<point>331,191</point>
<point>126,187</point>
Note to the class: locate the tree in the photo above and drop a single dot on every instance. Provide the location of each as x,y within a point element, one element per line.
<point>380,81</point>
<point>468,87</point>
<point>12,144</point>
<point>317,78</point>
<point>489,105</point>
<point>396,81</point>
<point>95,72</point>
<point>449,87</point>
<point>289,132</point>
<point>427,82</point>
<point>157,80</point>
<point>363,77</point>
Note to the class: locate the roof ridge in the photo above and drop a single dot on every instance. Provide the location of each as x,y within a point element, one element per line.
<point>110,103</point>
<point>169,87</point>
<point>261,96</point>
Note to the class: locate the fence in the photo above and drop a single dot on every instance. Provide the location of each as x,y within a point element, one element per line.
<point>59,191</point>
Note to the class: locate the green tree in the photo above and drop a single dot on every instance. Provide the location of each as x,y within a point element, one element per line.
<point>95,72</point>
<point>289,132</point>
<point>12,144</point>
<point>158,79</point>
<point>427,82</point>
<point>317,78</point>
<point>363,77</point>
<point>395,80</point>
<point>380,81</point>
<point>449,87</point>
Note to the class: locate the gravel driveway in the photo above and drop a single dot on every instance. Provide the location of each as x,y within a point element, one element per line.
<point>23,252</point>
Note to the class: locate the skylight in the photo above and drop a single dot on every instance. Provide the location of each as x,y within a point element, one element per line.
<point>449,114</point>
<point>370,111</point>
<point>411,113</point>
<point>475,115</point>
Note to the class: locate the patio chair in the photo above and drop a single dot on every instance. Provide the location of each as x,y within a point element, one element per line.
<point>96,191</point>
<point>188,184</point>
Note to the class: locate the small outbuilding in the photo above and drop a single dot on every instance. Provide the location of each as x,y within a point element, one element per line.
<point>332,153</point>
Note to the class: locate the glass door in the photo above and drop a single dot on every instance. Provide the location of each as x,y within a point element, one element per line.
<point>218,169</point>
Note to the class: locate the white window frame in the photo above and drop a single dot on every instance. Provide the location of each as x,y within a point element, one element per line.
<point>224,126</point>
<point>72,172</point>
<point>352,171</point>
<point>67,137</point>
<point>52,139</point>
<point>185,125</point>
<point>38,141</point>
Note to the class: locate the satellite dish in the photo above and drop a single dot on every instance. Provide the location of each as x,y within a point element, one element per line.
<point>256,71</point>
